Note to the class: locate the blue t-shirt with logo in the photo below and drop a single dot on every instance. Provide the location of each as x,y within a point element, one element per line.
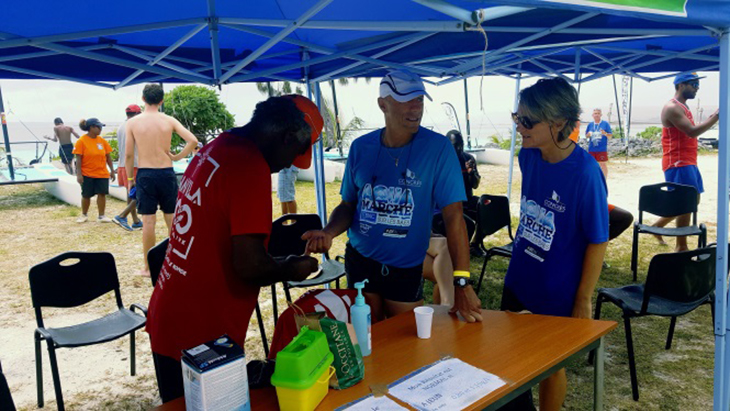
<point>598,142</point>
<point>562,210</point>
<point>395,202</point>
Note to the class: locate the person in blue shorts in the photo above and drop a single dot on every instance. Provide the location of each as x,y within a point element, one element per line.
<point>563,231</point>
<point>395,177</point>
<point>287,191</point>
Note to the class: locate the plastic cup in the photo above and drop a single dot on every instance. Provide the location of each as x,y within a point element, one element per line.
<point>424,320</point>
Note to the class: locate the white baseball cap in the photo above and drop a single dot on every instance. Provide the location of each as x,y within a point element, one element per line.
<point>403,85</point>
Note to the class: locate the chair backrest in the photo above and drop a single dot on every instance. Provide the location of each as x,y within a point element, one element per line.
<point>439,227</point>
<point>667,200</point>
<point>684,277</point>
<point>286,233</point>
<point>155,258</point>
<point>493,213</point>
<point>72,279</point>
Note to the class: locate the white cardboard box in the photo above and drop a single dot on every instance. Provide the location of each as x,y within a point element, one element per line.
<point>215,378</point>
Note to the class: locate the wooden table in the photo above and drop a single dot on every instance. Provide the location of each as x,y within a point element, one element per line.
<point>522,349</point>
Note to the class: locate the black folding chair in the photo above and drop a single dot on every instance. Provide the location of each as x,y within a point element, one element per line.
<point>676,284</point>
<point>6,400</point>
<point>155,258</point>
<point>70,280</point>
<point>666,200</point>
<point>438,226</point>
<point>494,215</point>
<point>286,240</point>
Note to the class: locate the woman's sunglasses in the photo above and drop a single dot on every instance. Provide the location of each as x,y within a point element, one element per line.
<point>525,121</point>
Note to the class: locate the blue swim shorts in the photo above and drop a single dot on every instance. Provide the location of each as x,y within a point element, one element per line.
<point>689,175</point>
<point>286,190</point>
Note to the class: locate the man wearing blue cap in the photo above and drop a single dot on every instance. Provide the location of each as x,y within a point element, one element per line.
<point>395,177</point>
<point>679,144</point>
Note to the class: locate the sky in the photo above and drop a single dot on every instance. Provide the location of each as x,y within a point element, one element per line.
<point>490,99</point>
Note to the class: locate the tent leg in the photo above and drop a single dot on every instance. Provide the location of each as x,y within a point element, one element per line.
<point>722,321</point>
<point>514,137</point>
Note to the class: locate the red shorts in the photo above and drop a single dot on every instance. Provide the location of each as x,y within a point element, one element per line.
<point>122,176</point>
<point>599,155</point>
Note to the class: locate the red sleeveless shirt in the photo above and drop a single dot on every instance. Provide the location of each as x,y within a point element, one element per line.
<point>679,149</point>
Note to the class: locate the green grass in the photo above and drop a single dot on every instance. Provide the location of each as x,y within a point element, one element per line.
<point>37,227</point>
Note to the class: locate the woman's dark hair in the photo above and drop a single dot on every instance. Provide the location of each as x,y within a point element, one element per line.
<point>83,126</point>
<point>153,93</point>
<point>279,116</point>
<point>551,100</point>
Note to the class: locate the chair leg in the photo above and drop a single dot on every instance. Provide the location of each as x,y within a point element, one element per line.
<point>484,269</point>
<point>274,304</point>
<point>287,293</point>
<point>262,330</point>
<point>132,355</point>
<point>38,370</point>
<point>632,360</point>
<point>596,316</point>
<point>670,335</point>
<point>635,252</point>
<point>337,284</point>
<point>56,376</point>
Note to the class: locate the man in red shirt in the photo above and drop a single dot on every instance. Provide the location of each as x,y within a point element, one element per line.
<point>679,144</point>
<point>217,257</point>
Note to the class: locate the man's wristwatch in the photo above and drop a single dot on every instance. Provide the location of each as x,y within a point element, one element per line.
<point>462,282</point>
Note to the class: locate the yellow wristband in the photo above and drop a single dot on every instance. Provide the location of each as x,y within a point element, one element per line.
<point>462,273</point>
<point>130,178</point>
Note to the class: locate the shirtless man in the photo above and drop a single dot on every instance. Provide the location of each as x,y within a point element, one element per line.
<point>62,135</point>
<point>156,182</point>
<point>679,144</point>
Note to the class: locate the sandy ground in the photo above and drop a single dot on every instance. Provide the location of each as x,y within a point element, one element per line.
<point>98,376</point>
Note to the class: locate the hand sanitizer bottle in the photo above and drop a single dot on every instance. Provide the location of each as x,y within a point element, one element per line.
<point>360,314</point>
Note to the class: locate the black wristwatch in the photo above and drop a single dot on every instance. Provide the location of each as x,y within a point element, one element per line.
<point>462,282</point>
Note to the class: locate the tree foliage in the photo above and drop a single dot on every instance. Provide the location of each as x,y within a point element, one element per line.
<point>651,133</point>
<point>199,109</point>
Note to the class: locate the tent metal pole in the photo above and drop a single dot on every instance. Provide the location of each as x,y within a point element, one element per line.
<point>317,151</point>
<point>318,163</point>
<point>514,138</point>
<point>468,121</point>
<point>6,137</point>
<point>628,120</point>
<point>311,12</point>
<point>722,321</point>
<point>174,46</point>
<point>215,49</point>
<point>338,129</point>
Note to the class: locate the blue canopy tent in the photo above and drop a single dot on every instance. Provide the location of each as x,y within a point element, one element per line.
<point>217,42</point>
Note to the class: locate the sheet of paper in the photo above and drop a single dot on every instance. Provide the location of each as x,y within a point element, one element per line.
<point>371,403</point>
<point>445,385</point>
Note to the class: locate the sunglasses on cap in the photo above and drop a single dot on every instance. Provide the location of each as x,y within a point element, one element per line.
<point>525,121</point>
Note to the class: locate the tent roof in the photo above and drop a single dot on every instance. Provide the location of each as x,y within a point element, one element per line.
<point>213,42</point>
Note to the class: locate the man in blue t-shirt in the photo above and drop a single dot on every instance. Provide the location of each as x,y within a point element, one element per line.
<point>395,177</point>
<point>598,133</point>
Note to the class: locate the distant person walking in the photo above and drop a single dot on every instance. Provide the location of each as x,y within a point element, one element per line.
<point>93,154</point>
<point>679,144</point>
<point>121,219</point>
<point>62,135</point>
<point>287,191</point>
<point>598,133</point>
<point>155,180</point>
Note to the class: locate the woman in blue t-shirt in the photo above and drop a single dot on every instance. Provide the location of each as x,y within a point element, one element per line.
<point>563,231</point>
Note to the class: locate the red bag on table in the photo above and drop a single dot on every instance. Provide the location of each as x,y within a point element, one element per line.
<point>334,303</point>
